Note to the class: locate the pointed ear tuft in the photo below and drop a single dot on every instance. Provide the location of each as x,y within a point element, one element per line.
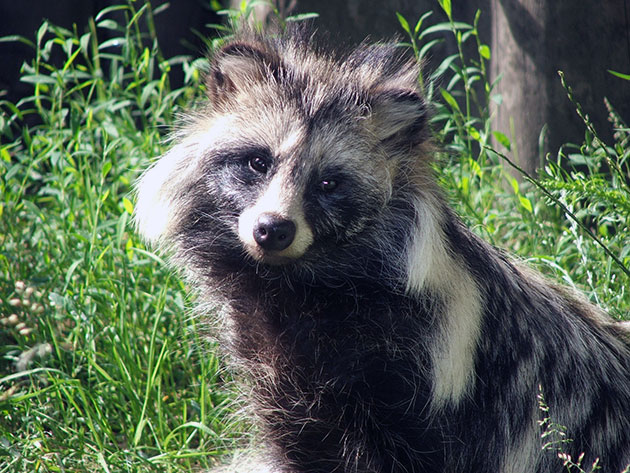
<point>399,114</point>
<point>237,67</point>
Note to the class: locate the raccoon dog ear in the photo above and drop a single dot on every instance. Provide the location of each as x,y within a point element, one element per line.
<point>399,114</point>
<point>236,67</point>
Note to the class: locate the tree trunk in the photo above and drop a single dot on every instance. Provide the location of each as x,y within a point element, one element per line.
<point>531,41</point>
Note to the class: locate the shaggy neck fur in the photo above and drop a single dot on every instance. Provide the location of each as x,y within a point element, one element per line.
<point>332,362</point>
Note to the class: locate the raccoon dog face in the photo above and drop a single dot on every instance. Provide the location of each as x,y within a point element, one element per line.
<point>298,156</point>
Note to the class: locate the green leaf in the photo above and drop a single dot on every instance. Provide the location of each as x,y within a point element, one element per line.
<point>41,32</point>
<point>475,167</point>
<point>146,93</point>
<point>467,35</point>
<point>444,65</point>
<point>484,51</point>
<point>71,270</point>
<point>465,185</point>
<point>71,60</point>
<point>446,6</point>
<point>450,100</point>
<point>403,22</point>
<point>127,205</point>
<point>620,75</point>
<point>17,39</point>
<point>474,134</point>
<point>526,203</point>
<point>441,27</point>
<point>137,15</point>
<point>129,248</point>
<point>105,195</point>
<point>108,25</point>
<point>106,168</point>
<point>5,155</point>
<point>84,43</point>
<point>501,138</point>
<point>38,79</point>
<point>477,16</point>
<point>514,184</point>
<point>421,20</point>
<point>301,17</point>
<point>108,10</point>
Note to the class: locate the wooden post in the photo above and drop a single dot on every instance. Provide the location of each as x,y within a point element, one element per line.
<point>531,41</point>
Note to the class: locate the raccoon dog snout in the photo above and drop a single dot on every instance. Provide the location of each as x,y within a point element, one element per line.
<point>273,232</point>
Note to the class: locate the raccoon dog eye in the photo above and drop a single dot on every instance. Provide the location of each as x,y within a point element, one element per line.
<point>258,164</point>
<point>328,185</point>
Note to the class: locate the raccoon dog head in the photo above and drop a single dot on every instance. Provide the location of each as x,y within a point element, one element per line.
<point>298,159</point>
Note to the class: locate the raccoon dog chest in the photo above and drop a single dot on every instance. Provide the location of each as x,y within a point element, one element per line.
<point>377,333</point>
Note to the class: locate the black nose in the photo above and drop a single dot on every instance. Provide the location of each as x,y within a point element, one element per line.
<point>273,232</point>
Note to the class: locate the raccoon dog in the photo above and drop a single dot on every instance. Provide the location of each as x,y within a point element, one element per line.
<point>375,331</point>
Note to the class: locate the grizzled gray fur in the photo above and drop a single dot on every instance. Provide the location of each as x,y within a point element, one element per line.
<point>376,333</point>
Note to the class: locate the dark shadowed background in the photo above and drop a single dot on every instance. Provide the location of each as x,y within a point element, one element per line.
<point>530,41</point>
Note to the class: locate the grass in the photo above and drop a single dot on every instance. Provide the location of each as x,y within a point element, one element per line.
<point>113,375</point>
<point>102,367</point>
